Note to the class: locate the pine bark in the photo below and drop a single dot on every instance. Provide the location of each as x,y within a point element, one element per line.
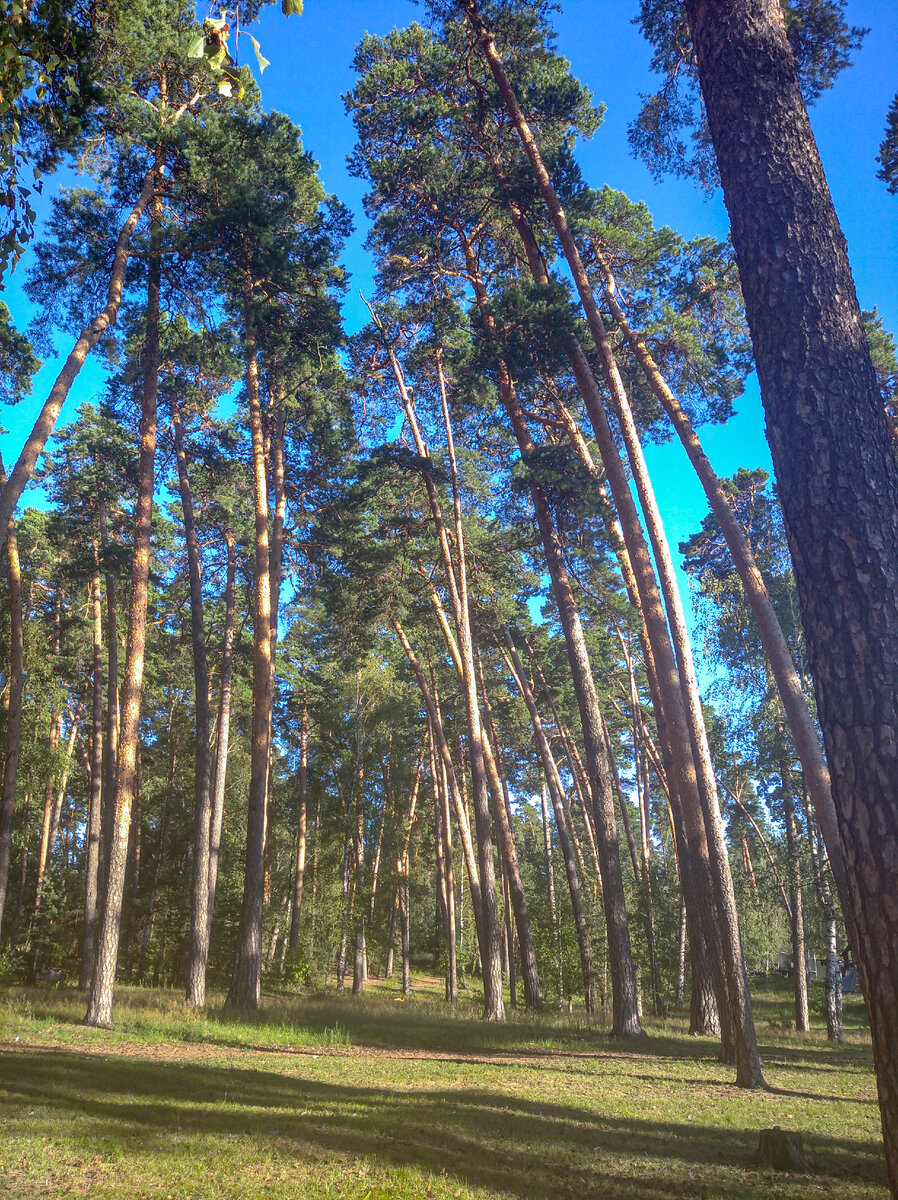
<point>223,723</point>
<point>92,855</point>
<point>15,687</point>
<point>833,457</point>
<point>99,1010</point>
<point>300,865</point>
<point>246,979</point>
<point>788,683</point>
<point>110,742</point>
<point>199,891</point>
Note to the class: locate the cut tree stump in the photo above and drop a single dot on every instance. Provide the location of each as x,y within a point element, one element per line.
<point>781,1150</point>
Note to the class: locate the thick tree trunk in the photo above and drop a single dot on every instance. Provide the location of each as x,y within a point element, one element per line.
<point>246,979</point>
<point>199,891</point>
<point>15,685</point>
<point>99,1010</point>
<point>834,462</point>
<point>92,855</point>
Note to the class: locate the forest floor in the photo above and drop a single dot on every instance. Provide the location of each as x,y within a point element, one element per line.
<point>380,1098</point>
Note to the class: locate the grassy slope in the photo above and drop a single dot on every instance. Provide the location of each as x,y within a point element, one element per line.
<point>381,1098</point>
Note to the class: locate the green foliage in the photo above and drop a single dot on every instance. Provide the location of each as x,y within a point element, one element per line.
<point>885,363</point>
<point>888,150</point>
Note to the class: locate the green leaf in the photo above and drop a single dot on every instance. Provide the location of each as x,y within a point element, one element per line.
<point>291,8</point>
<point>260,57</point>
<point>197,47</point>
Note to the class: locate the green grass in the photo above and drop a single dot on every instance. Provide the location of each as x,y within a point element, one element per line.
<point>378,1097</point>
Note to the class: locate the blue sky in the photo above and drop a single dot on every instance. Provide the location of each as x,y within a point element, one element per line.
<point>310,70</point>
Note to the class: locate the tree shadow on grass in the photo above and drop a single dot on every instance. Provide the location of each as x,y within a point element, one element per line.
<point>483,1138</point>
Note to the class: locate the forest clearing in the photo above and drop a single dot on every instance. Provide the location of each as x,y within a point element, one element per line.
<point>381,1098</point>
<point>448,602</point>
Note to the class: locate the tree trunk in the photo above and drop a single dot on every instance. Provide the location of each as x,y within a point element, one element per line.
<point>505,833</point>
<point>456,578</point>
<point>100,1007</point>
<point>731,978</point>
<point>358,888</point>
<point>110,743</point>
<point>445,879</point>
<point>16,680</point>
<point>788,683</point>
<point>461,815</point>
<point>623,979</point>
<point>246,980</point>
<point>223,724</point>
<point>564,841</point>
<point>199,892</point>
<point>834,462</point>
<point>92,856</point>
<point>43,426</point>
<point>301,823</point>
<point>800,974</point>
<point>827,904</point>
<point>553,903</point>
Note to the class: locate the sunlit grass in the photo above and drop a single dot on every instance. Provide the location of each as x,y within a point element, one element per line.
<point>384,1097</point>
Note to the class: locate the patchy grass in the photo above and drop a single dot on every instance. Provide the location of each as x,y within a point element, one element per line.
<point>378,1098</point>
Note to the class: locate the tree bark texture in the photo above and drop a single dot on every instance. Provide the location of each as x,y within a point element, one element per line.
<point>246,979</point>
<point>100,1007</point>
<point>199,891</point>
<point>223,723</point>
<point>16,682</point>
<point>834,462</point>
<point>92,856</point>
<point>300,865</point>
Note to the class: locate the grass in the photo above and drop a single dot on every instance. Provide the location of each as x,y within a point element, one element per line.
<point>377,1097</point>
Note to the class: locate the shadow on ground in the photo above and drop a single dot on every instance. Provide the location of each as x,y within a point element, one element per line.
<point>483,1138</point>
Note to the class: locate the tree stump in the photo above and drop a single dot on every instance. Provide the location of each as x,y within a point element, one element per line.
<point>781,1150</point>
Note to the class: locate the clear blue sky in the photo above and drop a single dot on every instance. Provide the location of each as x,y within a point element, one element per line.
<point>310,70</point>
